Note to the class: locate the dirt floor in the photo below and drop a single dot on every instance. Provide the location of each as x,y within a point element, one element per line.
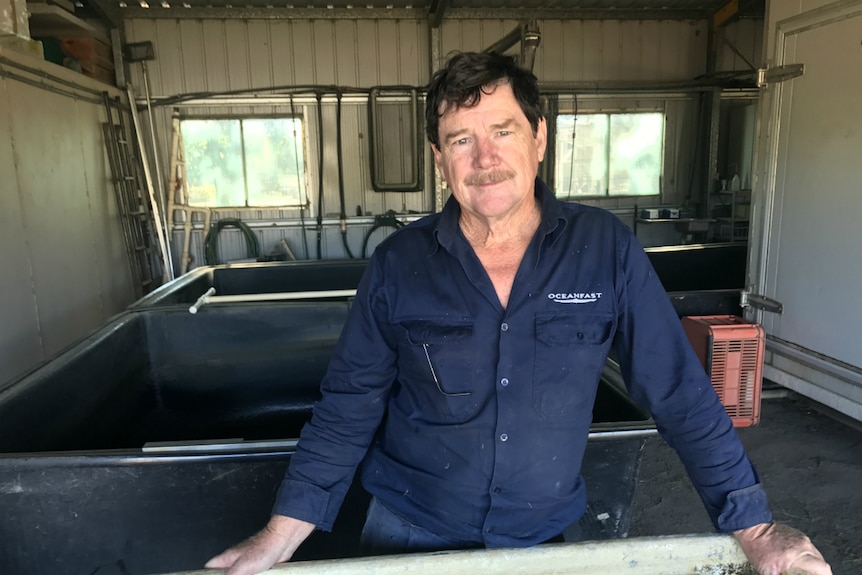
<point>809,461</point>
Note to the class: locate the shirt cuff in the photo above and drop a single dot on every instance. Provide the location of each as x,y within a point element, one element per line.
<point>744,508</point>
<point>303,501</point>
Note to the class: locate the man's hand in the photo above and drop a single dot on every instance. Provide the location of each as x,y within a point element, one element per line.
<point>777,549</point>
<point>275,543</point>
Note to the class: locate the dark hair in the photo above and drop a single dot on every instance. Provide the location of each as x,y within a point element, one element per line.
<point>468,75</point>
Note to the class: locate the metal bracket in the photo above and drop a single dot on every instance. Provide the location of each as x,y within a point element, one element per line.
<point>757,301</point>
<point>779,74</point>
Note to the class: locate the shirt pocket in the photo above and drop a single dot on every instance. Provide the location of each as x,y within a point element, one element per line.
<point>571,349</point>
<point>438,369</point>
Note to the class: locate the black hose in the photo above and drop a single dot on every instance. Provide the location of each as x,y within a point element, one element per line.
<point>319,172</point>
<point>380,221</point>
<point>211,240</point>
<point>341,175</point>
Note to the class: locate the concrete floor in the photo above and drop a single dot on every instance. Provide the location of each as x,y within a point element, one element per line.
<point>810,462</point>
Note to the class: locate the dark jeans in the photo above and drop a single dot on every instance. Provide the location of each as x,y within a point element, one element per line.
<point>385,533</point>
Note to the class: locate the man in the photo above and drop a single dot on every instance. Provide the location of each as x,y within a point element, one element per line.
<point>465,375</point>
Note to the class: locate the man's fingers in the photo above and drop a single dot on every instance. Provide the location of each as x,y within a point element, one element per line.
<point>249,556</point>
<point>275,543</point>
<point>223,560</point>
<point>809,564</point>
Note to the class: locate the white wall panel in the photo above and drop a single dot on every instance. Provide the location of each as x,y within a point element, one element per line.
<point>54,207</point>
<point>283,54</point>
<point>649,48</point>
<point>589,55</point>
<point>194,53</point>
<point>20,342</point>
<point>64,265</point>
<point>597,50</point>
<point>368,55</point>
<point>111,278</point>
<point>174,74</point>
<point>472,35</point>
<point>610,52</point>
<point>323,57</point>
<point>237,55</point>
<point>302,40</point>
<point>215,55</point>
<point>620,50</point>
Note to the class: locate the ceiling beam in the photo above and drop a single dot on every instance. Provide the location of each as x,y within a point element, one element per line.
<point>725,14</point>
<point>178,11</point>
<point>109,11</point>
<point>438,10</point>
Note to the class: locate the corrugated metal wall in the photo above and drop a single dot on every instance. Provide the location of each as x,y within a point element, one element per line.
<point>64,268</point>
<point>195,56</point>
<point>222,56</point>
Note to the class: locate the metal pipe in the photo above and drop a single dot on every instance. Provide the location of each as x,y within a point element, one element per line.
<point>530,40</point>
<point>506,41</point>
<point>160,184</point>
<point>319,174</point>
<point>208,297</point>
<point>167,271</point>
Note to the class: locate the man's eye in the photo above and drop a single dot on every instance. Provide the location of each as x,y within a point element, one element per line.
<point>461,142</point>
<point>504,133</point>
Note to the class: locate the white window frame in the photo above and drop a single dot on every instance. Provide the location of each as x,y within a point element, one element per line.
<point>300,168</point>
<point>602,191</point>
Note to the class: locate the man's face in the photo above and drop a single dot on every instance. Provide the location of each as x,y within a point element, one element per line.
<point>489,155</point>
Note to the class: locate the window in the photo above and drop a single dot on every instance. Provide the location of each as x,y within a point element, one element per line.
<point>608,154</point>
<point>253,162</point>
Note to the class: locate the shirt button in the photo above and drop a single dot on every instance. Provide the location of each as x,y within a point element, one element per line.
<point>504,382</point>
<point>504,437</point>
<point>497,490</point>
<point>504,327</point>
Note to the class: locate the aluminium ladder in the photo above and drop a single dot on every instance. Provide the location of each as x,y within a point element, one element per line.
<point>136,216</point>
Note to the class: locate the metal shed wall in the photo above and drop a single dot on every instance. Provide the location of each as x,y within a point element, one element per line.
<point>228,55</point>
<point>64,262</point>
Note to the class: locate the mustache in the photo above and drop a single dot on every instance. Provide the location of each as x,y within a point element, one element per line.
<point>492,177</point>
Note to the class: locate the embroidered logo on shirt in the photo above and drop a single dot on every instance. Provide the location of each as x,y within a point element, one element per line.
<point>588,297</point>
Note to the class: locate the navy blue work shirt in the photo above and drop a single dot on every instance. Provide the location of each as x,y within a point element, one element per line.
<point>472,418</point>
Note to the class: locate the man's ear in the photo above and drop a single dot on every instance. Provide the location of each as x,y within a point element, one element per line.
<point>541,138</point>
<point>438,155</point>
<point>438,161</point>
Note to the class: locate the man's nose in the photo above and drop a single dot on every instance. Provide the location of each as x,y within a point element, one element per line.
<point>485,152</point>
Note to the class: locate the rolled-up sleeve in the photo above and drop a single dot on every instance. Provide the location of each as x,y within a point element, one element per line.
<point>664,375</point>
<point>354,397</point>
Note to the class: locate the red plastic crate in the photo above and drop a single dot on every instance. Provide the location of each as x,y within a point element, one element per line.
<point>731,350</point>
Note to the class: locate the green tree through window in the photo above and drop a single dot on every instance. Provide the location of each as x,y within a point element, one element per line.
<point>251,162</point>
<point>608,154</point>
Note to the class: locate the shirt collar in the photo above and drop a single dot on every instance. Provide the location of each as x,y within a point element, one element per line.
<point>553,221</point>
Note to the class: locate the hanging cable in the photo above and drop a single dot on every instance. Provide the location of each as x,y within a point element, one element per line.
<point>573,156</point>
<point>319,172</point>
<point>343,215</point>
<point>303,192</point>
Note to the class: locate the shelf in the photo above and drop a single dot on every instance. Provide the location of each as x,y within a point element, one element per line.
<point>674,220</point>
<point>684,225</point>
<point>50,20</point>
